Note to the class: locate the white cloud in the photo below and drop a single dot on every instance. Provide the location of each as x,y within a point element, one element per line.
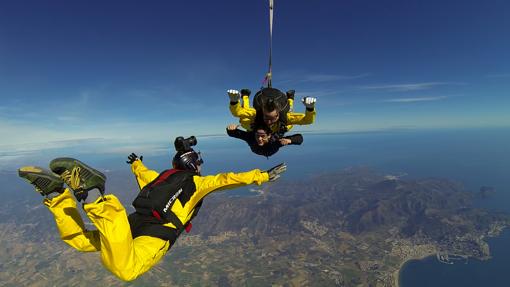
<point>20,140</point>
<point>18,133</point>
<point>408,87</point>
<point>301,77</point>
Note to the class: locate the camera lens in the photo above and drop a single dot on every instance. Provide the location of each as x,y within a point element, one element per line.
<point>184,145</point>
<point>192,140</point>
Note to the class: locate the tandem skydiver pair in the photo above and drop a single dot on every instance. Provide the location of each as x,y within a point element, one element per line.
<point>270,118</point>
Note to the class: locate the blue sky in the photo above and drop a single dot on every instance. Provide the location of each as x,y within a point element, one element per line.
<point>136,72</point>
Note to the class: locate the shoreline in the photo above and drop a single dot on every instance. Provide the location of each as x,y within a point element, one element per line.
<point>502,234</point>
<point>396,273</point>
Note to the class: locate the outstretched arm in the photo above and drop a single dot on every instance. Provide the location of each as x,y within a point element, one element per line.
<point>230,180</point>
<point>142,173</point>
<point>233,131</point>
<point>207,184</point>
<point>245,114</point>
<point>296,139</point>
<point>303,119</point>
<point>238,110</point>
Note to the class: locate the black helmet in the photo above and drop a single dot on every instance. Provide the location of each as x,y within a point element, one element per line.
<point>262,97</point>
<point>189,160</point>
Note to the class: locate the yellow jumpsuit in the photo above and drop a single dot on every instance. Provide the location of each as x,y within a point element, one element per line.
<point>127,257</point>
<point>246,115</point>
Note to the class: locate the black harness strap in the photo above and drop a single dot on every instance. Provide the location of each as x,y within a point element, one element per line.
<point>154,203</point>
<point>147,225</point>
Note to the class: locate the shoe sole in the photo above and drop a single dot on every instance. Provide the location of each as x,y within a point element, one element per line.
<point>86,171</point>
<point>42,178</point>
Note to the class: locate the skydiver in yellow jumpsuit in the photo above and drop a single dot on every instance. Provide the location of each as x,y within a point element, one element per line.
<point>131,245</point>
<point>270,113</point>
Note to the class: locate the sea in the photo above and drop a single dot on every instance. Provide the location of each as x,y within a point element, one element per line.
<point>474,157</point>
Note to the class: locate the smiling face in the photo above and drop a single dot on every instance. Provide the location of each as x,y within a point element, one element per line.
<point>261,137</point>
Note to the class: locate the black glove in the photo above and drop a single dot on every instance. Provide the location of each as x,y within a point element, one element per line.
<point>245,92</point>
<point>274,172</point>
<point>133,157</point>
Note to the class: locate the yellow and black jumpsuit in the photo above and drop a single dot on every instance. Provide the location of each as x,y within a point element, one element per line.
<point>125,256</point>
<point>246,115</point>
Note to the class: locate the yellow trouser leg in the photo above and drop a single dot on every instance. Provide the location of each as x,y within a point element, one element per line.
<point>246,102</point>
<point>70,224</point>
<point>125,257</point>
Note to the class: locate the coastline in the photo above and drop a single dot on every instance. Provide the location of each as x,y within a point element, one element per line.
<point>499,245</point>
<point>396,273</point>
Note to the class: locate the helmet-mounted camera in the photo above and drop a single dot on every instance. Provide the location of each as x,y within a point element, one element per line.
<point>184,144</point>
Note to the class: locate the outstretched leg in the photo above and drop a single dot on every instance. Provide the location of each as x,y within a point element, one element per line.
<point>63,207</point>
<point>125,257</point>
<point>245,95</point>
<point>70,224</point>
<point>290,99</point>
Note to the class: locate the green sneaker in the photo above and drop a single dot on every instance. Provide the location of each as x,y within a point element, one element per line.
<point>78,176</point>
<point>45,181</point>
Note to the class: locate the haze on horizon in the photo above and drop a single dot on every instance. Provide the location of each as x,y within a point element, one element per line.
<point>130,72</point>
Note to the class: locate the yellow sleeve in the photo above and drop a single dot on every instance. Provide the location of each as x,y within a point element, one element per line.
<point>246,123</point>
<point>301,119</point>
<point>230,180</point>
<point>239,112</point>
<point>207,184</point>
<point>246,115</point>
<point>142,173</point>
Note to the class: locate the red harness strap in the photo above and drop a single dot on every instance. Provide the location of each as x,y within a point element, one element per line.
<point>188,227</point>
<point>156,214</point>
<point>163,177</point>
